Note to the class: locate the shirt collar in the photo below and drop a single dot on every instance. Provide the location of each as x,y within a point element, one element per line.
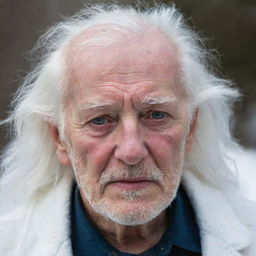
<point>182,230</point>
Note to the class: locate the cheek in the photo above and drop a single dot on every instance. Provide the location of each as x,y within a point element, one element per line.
<point>93,154</point>
<point>166,147</point>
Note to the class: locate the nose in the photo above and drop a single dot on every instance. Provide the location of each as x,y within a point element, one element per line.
<point>131,148</point>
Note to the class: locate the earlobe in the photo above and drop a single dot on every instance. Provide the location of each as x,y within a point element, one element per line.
<point>61,149</point>
<point>192,131</point>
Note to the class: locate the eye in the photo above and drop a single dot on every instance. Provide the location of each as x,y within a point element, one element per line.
<point>100,125</point>
<point>99,121</point>
<point>157,115</point>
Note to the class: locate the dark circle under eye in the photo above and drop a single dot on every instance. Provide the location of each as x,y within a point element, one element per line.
<point>99,121</point>
<point>158,115</point>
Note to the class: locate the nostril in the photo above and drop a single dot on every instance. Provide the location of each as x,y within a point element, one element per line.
<point>131,153</point>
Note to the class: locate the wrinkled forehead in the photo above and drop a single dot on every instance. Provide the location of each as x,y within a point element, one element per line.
<point>106,52</point>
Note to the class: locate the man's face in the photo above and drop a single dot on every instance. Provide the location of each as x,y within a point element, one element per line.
<point>126,125</point>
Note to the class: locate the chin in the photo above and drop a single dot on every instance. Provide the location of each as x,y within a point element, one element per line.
<point>132,213</point>
<point>138,216</point>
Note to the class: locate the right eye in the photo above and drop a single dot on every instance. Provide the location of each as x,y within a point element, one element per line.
<point>100,125</point>
<point>99,121</point>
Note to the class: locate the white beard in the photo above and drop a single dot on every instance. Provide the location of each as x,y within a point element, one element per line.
<point>139,214</point>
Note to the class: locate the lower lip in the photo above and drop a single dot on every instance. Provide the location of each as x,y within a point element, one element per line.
<point>131,185</point>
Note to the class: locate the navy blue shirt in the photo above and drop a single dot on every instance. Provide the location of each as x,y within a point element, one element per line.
<point>180,239</point>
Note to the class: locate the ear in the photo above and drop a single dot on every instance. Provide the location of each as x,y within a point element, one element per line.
<point>192,131</point>
<point>61,149</point>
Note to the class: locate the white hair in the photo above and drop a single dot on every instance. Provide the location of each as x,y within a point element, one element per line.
<point>29,163</point>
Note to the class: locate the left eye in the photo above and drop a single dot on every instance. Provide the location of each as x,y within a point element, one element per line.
<point>157,115</point>
<point>99,121</point>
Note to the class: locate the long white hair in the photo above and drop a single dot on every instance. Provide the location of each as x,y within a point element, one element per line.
<point>29,162</point>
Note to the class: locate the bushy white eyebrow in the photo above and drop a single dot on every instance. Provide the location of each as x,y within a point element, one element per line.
<point>91,107</point>
<point>158,100</point>
<point>96,105</point>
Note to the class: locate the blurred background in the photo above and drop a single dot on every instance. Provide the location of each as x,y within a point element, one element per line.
<point>228,25</point>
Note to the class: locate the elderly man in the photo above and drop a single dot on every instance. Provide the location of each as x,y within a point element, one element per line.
<point>120,145</point>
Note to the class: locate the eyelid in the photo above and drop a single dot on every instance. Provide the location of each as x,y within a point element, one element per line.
<point>152,111</point>
<point>108,118</point>
<point>94,119</point>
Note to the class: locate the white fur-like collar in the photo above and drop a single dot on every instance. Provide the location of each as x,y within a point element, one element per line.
<point>41,228</point>
<point>222,232</point>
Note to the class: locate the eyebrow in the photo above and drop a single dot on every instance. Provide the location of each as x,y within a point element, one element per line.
<point>96,105</point>
<point>161,100</point>
<point>101,104</point>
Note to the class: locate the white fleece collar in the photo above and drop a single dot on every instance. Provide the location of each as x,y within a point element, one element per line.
<point>222,232</point>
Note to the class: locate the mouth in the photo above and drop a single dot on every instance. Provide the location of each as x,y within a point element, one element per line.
<point>131,183</point>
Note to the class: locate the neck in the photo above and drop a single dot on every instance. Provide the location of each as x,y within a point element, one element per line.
<point>130,239</point>
<point>134,239</point>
